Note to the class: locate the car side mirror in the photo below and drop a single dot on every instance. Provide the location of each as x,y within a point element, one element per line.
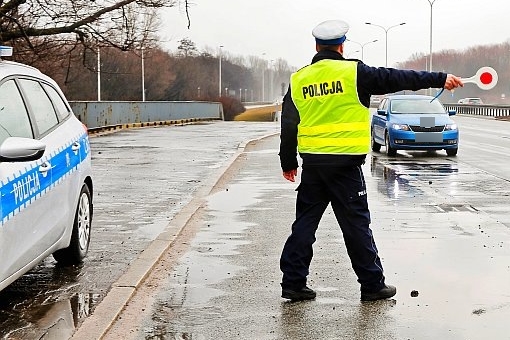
<point>452,112</point>
<point>382,113</point>
<point>19,149</point>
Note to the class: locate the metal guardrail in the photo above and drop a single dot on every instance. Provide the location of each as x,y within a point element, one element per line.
<point>497,111</point>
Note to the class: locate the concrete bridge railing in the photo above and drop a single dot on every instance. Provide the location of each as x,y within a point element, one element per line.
<point>103,114</point>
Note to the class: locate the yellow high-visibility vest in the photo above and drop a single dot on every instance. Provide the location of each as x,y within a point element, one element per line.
<point>332,119</point>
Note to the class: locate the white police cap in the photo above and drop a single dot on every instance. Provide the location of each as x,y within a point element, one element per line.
<point>330,32</point>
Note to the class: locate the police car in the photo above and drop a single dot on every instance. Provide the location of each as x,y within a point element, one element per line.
<point>45,173</point>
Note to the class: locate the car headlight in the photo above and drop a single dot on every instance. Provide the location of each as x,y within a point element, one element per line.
<point>403,127</point>
<point>449,127</point>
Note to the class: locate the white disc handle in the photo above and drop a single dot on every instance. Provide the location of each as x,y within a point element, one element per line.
<point>486,78</point>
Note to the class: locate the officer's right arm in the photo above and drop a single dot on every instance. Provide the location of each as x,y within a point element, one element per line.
<point>383,80</point>
<point>290,175</point>
<point>288,135</point>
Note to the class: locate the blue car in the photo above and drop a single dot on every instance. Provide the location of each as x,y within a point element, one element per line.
<point>413,122</point>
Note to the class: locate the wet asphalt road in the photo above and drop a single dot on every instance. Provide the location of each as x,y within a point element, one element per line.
<point>440,223</point>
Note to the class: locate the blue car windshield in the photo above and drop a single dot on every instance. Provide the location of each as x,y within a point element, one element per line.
<point>416,106</point>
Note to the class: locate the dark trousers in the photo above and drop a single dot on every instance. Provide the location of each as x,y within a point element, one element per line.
<point>345,189</point>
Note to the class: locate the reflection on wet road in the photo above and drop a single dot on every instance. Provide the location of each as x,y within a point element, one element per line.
<point>42,305</point>
<point>403,178</point>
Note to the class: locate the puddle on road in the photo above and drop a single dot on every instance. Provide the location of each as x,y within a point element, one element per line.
<point>403,178</point>
<point>265,151</point>
<point>399,178</point>
<point>236,198</point>
<point>44,304</point>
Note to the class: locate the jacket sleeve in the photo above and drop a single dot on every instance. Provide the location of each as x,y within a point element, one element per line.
<point>288,134</point>
<point>382,80</point>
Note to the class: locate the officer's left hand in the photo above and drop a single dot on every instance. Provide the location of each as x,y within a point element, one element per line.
<point>452,82</point>
<point>290,175</point>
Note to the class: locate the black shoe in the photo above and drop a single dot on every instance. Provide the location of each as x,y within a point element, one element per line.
<point>385,293</point>
<point>304,293</point>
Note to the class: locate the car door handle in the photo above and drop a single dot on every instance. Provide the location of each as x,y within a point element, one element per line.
<point>76,146</point>
<point>44,167</point>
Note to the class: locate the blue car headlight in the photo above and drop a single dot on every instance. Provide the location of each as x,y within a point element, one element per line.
<point>402,127</point>
<point>450,127</point>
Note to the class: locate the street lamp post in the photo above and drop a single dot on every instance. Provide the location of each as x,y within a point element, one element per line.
<point>386,29</point>
<point>263,72</point>
<point>431,2</point>
<point>353,53</point>
<point>143,76</point>
<point>362,45</point>
<point>271,79</point>
<point>98,74</point>
<point>219,73</point>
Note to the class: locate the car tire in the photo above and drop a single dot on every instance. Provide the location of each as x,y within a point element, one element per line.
<point>389,150</point>
<point>374,145</point>
<point>452,152</point>
<point>80,237</point>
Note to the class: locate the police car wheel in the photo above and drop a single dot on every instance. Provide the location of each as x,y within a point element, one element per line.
<point>80,237</point>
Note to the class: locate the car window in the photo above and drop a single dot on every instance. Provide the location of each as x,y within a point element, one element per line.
<point>42,109</point>
<point>60,106</point>
<point>404,106</point>
<point>14,121</point>
<point>383,105</point>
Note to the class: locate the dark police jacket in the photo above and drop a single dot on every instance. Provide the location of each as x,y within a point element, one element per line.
<point>370,81</point>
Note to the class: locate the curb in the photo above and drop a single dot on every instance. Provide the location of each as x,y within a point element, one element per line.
<point>105,314</point>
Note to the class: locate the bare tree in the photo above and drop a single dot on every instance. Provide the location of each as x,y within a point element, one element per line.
<point>187,48</point>
<point>34,25</point>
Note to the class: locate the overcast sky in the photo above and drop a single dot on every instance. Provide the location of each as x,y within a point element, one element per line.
<point>282,28</point>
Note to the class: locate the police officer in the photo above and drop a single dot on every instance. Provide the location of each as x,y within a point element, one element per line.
<point>325,117</point>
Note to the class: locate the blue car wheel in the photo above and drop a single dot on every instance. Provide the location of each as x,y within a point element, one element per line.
<point>375,146</point>
<point>389,150</point>
<point>452,152</point>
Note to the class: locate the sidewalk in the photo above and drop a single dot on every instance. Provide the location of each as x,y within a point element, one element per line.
<point>220,277</point>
